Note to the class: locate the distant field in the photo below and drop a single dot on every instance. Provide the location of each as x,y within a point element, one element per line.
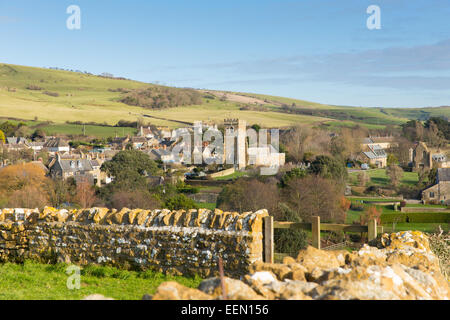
<point>88,98</point>
<point>75,129</point>
<point>97,131</point>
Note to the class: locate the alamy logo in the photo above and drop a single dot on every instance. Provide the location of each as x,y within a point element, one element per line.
<point>74,20</point>
<point>374,21</point>
<point>73,281</point>
<point>235,144</point>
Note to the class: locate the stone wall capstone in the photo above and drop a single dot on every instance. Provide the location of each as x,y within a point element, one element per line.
<point>175,242</point>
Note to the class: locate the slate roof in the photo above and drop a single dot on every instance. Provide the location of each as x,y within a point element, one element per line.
<point>95,163</point>
<point>56,143</point>
<point>138,139</point>
<point>36,144</point>
<point>439,157</point>
<point>376,152</point>
<point>16,140</point>
<point>167,143</point>
<point>443,174</point>
<point>76,165</point>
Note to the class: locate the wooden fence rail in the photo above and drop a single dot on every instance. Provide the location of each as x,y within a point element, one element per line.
<point>315,227</point>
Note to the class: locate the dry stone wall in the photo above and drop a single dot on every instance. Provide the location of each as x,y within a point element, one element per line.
<point>401,267</point>
<point>176,242</point>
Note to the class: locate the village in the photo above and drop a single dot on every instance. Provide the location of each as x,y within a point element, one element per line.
<point>194,159</point>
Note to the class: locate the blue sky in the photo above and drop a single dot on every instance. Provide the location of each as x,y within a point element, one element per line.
<point>317,50</point>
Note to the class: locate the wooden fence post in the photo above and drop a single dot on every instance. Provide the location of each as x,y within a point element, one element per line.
<point>316,232</point>
<point>268,240</point>
<point>371,230</point>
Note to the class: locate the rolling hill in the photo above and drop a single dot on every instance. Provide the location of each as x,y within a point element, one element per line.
<point>58,96</point>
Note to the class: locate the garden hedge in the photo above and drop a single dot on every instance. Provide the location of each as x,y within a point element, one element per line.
<point>416,217</point>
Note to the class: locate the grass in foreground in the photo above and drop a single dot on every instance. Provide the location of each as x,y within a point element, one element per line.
<point>35,281</point>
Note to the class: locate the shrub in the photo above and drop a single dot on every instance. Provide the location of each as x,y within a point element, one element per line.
<point>355,237</point>
<point>179,202</point>
<point>290,241</point>
<point>162,97</point>
<point>357,207</point>
<point>345,204</point>
<point>287,240</point>
<point>34,87</point>
<point>370,214</point>
<point>52,94</point>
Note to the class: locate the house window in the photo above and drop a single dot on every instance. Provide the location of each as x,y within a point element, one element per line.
<point>431,194</point>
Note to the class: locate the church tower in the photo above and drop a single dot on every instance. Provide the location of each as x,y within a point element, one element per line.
<point>235,142</point>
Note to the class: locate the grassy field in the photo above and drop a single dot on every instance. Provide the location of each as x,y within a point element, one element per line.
<point>75,129</point>
<point>34,281</point>
<point>90,130</point>
<point>354,216</point>
<point>378,177</point>
<point>232,176</point>
<point>87,98</point>
<point>83,97</point>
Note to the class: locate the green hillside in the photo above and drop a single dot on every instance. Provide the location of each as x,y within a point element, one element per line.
<point>40,94</point>
<point>90,98</point>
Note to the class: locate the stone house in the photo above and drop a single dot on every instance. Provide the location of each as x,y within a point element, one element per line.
<point>138,143</point>
<point>163,155</point>
<point>375,156</point>
<point>146,132</point>
<point>440,192</point>
<point>36,146</point>
<point>16,143</point>
<point>384,142</point>
<point>79,169</point>
<point>420,157</point>
<point>120,143</point>
<point>54,145</point>
<point>423,157</point>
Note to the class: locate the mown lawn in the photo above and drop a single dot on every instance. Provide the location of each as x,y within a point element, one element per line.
<point>378,177</point>
<point>232,176</point>
<point>354,216</point>
<point>34,281</point>
<point>425,227</point>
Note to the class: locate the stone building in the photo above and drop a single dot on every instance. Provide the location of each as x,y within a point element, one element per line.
<point>235,144</point>
<point>440,192</point>
<point>375,156</point>
<point>80,169</point>
<point>420,157</point>
<point>423,157</point>
<point>54,145</point>
<point>384,142</point>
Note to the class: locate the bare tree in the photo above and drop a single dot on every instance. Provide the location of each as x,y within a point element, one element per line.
<point>85,194</point>
<point>315,196</point>
<point>395,174</point>
<point>250,195</point>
